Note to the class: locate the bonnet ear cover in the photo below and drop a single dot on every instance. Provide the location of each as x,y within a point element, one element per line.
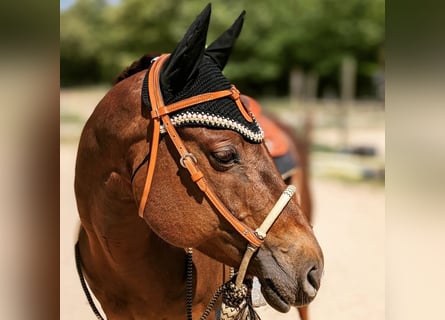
<point>183,63</point>
<point>191,71</point>
<point>221,48</point>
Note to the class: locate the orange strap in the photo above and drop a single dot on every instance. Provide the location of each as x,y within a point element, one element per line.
<point>209,96</point>
<point>199,179</point>
<point>160,112</point>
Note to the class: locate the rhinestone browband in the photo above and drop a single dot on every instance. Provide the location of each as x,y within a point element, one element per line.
<point>209,120</point>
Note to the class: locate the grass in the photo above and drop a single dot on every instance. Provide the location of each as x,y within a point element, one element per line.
<point>69,117</point>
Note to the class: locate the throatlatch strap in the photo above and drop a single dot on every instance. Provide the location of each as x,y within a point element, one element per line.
<point>151,165</point>
<point>155,138</point>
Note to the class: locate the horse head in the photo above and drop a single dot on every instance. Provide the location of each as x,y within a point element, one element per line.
<point>224,141</point>
<point>227,146</point>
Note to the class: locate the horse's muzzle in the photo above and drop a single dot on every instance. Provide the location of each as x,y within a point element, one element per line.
<point>289,278</point>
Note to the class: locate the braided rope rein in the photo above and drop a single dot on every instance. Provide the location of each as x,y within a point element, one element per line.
<point>189,283</point>
<point>236,299</point>
<point>84,284</point>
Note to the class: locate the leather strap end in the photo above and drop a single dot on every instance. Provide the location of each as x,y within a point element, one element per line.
<point>141,211</point>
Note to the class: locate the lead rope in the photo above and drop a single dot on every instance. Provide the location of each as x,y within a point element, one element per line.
<point>83,283</point>
<point>189,289</point>
<point>236,299</point>
<point>189,283</point>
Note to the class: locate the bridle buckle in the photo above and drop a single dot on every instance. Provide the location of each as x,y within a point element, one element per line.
<point>185,156</point>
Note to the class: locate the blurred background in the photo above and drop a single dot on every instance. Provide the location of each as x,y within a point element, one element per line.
<point>321,61</point>
<point>322,57</point>
<point>303,48</point>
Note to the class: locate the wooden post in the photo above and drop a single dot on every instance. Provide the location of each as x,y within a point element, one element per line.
<point>296,84</point>
<point>348,72</point>
<point>311,85</point>
<point>347,78</point>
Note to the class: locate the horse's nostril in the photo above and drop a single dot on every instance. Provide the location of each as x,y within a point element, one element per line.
<point>313,277</point>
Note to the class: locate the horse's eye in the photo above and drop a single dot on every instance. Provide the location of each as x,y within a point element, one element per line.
<point>225,156</point>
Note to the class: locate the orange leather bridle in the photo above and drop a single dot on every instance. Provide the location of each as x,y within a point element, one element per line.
<point>160,113</point>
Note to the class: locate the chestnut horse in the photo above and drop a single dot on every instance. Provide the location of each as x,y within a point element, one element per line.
<point>209,193</point>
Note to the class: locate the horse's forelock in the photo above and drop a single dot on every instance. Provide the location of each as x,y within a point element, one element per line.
<point>142,64</point>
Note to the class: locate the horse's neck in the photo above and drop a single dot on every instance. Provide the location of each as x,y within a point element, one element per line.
<point>128,267</point>
<point>129,246</point>
<point>117,241</point>
<point>150,272</point>
<point>132,275</point>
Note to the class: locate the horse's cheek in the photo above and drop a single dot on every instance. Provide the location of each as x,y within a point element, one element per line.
<point>176,228</point>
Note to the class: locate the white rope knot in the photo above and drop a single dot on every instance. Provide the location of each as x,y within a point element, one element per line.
<point>236,303</point>
<point>234,296</point>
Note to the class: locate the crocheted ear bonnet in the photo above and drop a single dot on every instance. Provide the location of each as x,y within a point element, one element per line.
<point>217,114</point>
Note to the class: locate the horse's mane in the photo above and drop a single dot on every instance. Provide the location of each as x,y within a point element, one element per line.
<point>142,64</point>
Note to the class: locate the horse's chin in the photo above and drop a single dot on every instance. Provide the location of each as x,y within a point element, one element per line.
<point>273,296</point>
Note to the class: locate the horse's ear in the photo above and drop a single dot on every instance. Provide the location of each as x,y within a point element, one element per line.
<point>185,59</point>
<point>221,48</point>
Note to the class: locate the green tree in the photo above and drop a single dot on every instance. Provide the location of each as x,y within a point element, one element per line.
<point>81,41</point>
<point>313,36</point>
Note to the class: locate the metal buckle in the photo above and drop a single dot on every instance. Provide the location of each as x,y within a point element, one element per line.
<point>187,155</point>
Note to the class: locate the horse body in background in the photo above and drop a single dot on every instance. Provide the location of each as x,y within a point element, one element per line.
<point>136,266</point>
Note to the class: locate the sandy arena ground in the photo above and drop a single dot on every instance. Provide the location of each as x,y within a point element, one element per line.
<point>349,224</point>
